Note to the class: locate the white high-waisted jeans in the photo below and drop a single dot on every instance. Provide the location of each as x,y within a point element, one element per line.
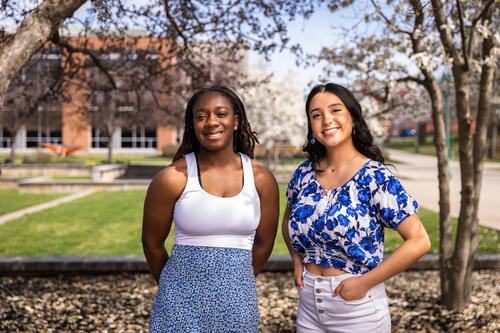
<point>320,311</point>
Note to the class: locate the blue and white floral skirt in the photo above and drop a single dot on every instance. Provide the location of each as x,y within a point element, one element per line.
<point>206,289</point>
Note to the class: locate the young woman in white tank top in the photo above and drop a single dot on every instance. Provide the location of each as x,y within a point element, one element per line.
<point>225,207</point>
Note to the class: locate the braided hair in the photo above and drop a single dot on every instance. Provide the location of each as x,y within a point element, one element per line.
<point>362,138</point>
<point>244,138</point>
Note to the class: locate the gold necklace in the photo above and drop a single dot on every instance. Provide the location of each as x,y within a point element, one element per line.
<point>344,164</point>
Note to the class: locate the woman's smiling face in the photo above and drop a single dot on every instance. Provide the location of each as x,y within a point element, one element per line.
<point>331,121</point>
<point>214,121</point>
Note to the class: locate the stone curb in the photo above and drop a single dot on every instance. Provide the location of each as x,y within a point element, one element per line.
<point>53,265</point>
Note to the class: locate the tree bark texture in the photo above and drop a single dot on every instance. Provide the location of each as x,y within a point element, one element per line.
<point>459,272</point>
<point>445,235</point>
<point>31,35</point>
<point>111,131</point>
<point>463,252</point>
<point>422,133</point>
<point>492,135</point>
<point>12,156</point>
<point>481,141</point>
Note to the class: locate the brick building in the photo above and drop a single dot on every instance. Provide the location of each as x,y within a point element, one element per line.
<point>75,118</point>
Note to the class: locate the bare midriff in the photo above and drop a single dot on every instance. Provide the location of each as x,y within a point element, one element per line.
<point>323,271</point>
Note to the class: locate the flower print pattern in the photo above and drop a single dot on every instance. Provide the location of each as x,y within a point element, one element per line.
<point>345,228</point>
<point>206,289</point>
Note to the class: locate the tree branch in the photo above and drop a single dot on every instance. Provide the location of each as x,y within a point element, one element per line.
<point>462,36</point>
<point>480,14</point>
<point>61,42</point>
<point>387,21</point>
<point>31,35</point>
<point>446,36</point>
<point>417,26</point>
<point>410,79</point>
<point>389,109</point>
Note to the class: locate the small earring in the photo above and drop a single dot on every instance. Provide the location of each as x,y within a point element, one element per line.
<point>313,140</point>
<point>235,128</point>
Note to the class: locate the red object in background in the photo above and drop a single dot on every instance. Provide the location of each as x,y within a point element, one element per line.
<point>59,149</point>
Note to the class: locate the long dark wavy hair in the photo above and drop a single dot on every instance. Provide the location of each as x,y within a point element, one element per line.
<point>362,138</point>
<point>244,138</point>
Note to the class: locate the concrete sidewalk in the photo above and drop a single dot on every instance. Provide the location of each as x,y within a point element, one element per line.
<point>33,209</point>
<point>418,175</point>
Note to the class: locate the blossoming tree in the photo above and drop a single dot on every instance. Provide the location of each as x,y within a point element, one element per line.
<point>275,108</point>
<point>416,41</point>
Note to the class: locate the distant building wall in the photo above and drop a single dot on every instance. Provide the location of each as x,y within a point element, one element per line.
<point>166,135</point>
<point>76,130</point>
<point>76,127</point>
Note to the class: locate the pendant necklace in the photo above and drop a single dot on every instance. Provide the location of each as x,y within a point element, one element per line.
<point>325,192</point>
<point>333,169</point>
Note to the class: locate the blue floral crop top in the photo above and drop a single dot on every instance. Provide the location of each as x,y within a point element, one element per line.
<point>345,227</point>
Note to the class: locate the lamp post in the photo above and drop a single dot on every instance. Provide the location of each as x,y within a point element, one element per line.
<point>446,84</point>
<point>451,152</point>
<point>417,146</point>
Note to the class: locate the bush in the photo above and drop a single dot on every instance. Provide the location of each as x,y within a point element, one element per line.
<point>44,158</point>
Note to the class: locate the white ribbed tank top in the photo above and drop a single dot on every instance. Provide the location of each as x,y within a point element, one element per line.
<point>203,219</point>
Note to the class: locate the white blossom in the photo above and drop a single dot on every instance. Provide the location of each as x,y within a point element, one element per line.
<point>378,127</point>
<point>423,60</point>
<point>484,29</point>
<point>449,26</point>
<point>276,109</point>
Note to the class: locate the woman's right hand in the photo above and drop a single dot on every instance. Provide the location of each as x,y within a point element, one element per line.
<point>298,266</point>
<point>298,269</point>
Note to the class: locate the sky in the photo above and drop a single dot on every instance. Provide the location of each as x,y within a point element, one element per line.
<point>312,34</point>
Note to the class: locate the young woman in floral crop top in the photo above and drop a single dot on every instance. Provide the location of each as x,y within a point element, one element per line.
<point>339,202</point>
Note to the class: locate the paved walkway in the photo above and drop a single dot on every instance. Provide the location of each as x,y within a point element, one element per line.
<point>20,213</point>
<point>419,177</point>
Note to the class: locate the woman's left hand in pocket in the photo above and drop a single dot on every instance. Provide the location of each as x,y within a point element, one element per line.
<point>351,289</point>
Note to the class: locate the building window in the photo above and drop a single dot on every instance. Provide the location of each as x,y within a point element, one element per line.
<point>99,141</point>
<point>5,138</point>
<point>138,137</point>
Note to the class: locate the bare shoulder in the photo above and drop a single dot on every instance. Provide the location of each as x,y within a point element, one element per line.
<point>171,180</point>
<point>263,177</point>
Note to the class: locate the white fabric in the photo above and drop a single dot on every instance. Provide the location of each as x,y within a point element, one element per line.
<point>319,311</point>
<point>203,219</point>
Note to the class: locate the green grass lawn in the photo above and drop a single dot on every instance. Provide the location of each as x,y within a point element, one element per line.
<point>12,200</point>
<point>109,223</point>
<point>409,144</point>
<point>48,157</point>
<point>70,178</point>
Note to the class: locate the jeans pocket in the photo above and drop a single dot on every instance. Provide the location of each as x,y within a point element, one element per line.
<point>363,300</point>
<point>355,308</point>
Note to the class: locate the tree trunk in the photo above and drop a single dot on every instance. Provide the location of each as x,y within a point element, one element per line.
<point>457,295</point>
<point>31,35</point>
<point>422,133</point>
<point>110,149</point>
<point>445,236</point>
<point>492,135</point>
<point>460,271</point>
<point>480,144</point>
<point>268,157</point>
<point>111,131</point>
<point>13,147</point>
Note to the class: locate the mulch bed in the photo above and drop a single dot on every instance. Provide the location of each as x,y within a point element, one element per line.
<point>121,303</point>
